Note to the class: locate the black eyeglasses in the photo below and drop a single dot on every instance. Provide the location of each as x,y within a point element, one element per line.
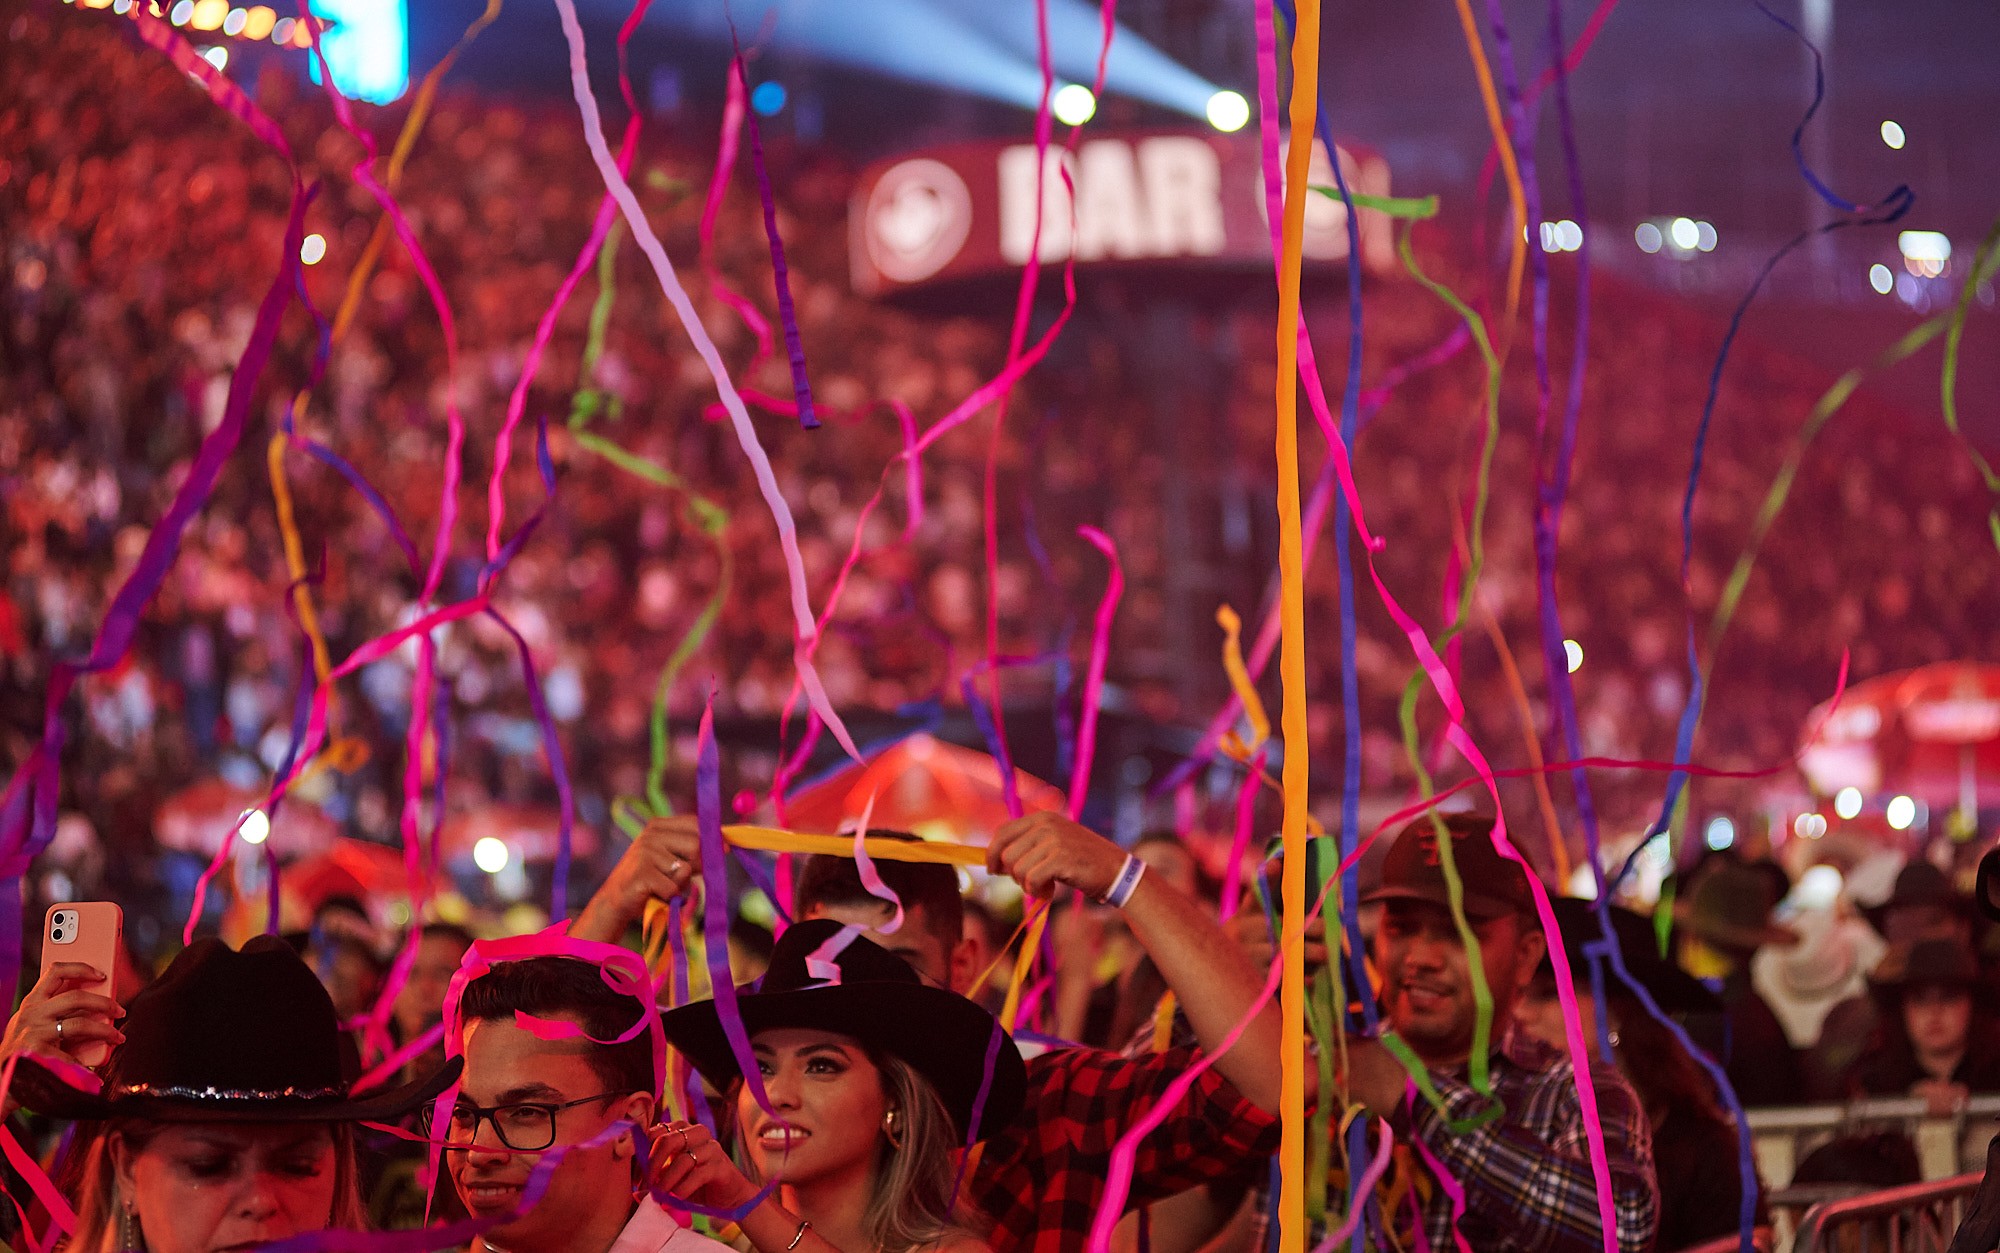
<point>525,1126</point>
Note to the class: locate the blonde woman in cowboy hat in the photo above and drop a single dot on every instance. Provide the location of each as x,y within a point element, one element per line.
<point>223,1117</point>
<point>874,1079</point>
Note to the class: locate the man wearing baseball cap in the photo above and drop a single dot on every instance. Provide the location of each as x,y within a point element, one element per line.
<point>1526,1171</point>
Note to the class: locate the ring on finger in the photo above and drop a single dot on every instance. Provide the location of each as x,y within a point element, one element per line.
<point>59,1030</point>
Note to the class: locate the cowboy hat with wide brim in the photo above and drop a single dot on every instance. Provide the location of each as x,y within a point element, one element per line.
<point>1918,885</point>
<point>227,1036</point>
<point>869,994</point>
<point>1674,990</point>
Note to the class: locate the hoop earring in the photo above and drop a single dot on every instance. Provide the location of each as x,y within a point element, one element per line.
<point>889,1130</point>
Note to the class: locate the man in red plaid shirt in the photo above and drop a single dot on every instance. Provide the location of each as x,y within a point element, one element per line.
<point>1041,1179</point>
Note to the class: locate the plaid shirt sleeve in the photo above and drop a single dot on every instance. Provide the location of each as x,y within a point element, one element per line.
<point>1527,1177</point>
<point>1040,1181</point>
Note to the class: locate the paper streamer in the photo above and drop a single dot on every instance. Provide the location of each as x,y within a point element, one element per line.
<point>642,231</point>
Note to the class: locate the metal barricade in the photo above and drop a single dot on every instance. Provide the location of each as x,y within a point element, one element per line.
<point>1920,1218</point>
<point>1784,1136</point>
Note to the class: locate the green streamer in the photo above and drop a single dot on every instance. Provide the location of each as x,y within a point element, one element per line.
<point>1983,264</point>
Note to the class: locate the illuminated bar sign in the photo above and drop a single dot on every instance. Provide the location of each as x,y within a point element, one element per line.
<point>1145,198</point>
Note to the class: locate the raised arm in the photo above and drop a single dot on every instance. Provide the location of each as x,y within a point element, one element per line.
<point>1213,979</point>
<point>661,862</point>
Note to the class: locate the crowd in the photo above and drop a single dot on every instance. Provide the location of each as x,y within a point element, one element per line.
<point>859,1092</point>
<point>135,216</point>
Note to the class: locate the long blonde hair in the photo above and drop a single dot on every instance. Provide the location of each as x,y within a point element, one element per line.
<point>912,1204</point>
<point>100,1201</point>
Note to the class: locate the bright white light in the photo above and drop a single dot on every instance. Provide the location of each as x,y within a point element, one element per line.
<point>233,24</point>
<point>1704,237</point>
<point>312,249</point>
<point>217,57</point>
<point>256,826</point>
<point>1721,832</point>
<point>490,854</point>
<point>1549,237</point>
<point>1847,803</point>
<point>1573,655</point>
<point>1809,826</point>
<point>1569,236</point>
<point>1684,233</point>
<point>121,6</point>
<point>1892,135</point>
<point>1073,104</point>
<point>1924,245</point>
<point>182,12</point>
<point>1228,111</point>
<point>1648,237</point>
<point>281,30</point>
<point>1817,888</point>
<point>1880,278</point>
<point>1902,813</point>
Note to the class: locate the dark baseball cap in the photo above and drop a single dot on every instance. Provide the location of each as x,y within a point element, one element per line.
<point>1413,870</point>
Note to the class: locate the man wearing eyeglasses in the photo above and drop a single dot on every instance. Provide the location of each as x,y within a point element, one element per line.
<point>522,1095</point>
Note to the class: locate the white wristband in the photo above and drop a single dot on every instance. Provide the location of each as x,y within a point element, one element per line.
<point>1125,884</point>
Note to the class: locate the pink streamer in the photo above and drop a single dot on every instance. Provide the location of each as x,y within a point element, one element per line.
<point>390,1065</point>
<point>805,631</point>
<point>1246,816</point>
<point>1453,1190</point>
<point>871,878</point>
<point>1093,683</point>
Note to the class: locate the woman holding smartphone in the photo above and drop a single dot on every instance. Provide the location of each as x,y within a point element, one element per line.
<point>874,1080</point>
<point>224,1120</point>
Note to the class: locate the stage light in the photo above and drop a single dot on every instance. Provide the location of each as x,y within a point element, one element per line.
<point>1648,237</point>
<point>182,12</point>
<point>1569,236</point>
<point>366,45</point>
<point>1684,233</point>
<point>490,854</point>
<point>233,24</point>
<point>1228,112</point>
<point>1892,135</point>
<point>258,21</point>
<point>1925,253</point>
<point>1704,237</point>
<point>1721,833</point>
<point>767,98</point>
<point>312,249</point>
<point>1074,104</point>
<point>1809,826</point>
<point>281,30</point>
<point>1573,655</point>
<point>1847,803</point>
<point>1902,813</point>
<point>1548,233</point>
<point>256,826</point>
<point>121,6</point>
<point>1880,279</point>
<point>217,57</point>
<point>208,14</point>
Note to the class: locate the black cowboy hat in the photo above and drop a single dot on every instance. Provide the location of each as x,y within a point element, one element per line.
<point>1930,963</point>
<point>1674,990</point>
<point>228,1036</point>
<point>880,1001</point>
<point>1918,884</point>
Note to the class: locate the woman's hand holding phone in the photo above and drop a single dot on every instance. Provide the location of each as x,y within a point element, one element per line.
<point>59,1019</point>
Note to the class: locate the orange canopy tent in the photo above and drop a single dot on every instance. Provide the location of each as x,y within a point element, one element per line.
<point>922,785</point>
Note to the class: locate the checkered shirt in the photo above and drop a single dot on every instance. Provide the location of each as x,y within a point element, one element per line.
<point>1041,1179</point>
<point>1527,1178</point>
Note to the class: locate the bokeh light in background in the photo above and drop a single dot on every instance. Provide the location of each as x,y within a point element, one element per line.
<point>1228,111</point>
<point>1073,104</point>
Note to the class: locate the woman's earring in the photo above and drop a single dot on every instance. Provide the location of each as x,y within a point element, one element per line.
<point>889,1130</point>
<point>128,1230</point>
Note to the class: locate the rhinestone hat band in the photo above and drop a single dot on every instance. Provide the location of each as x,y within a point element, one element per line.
<point>211,1093</point>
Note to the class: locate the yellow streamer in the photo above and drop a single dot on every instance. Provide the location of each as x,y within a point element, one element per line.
<point>1239,682</point>
<point>348,752</point>
<point>1163,1022</point>
<point>1517,256</point>
<point>1292,649</point>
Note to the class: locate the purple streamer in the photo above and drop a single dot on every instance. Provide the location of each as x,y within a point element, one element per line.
<point>715,905</point>
<point>780,274</point>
